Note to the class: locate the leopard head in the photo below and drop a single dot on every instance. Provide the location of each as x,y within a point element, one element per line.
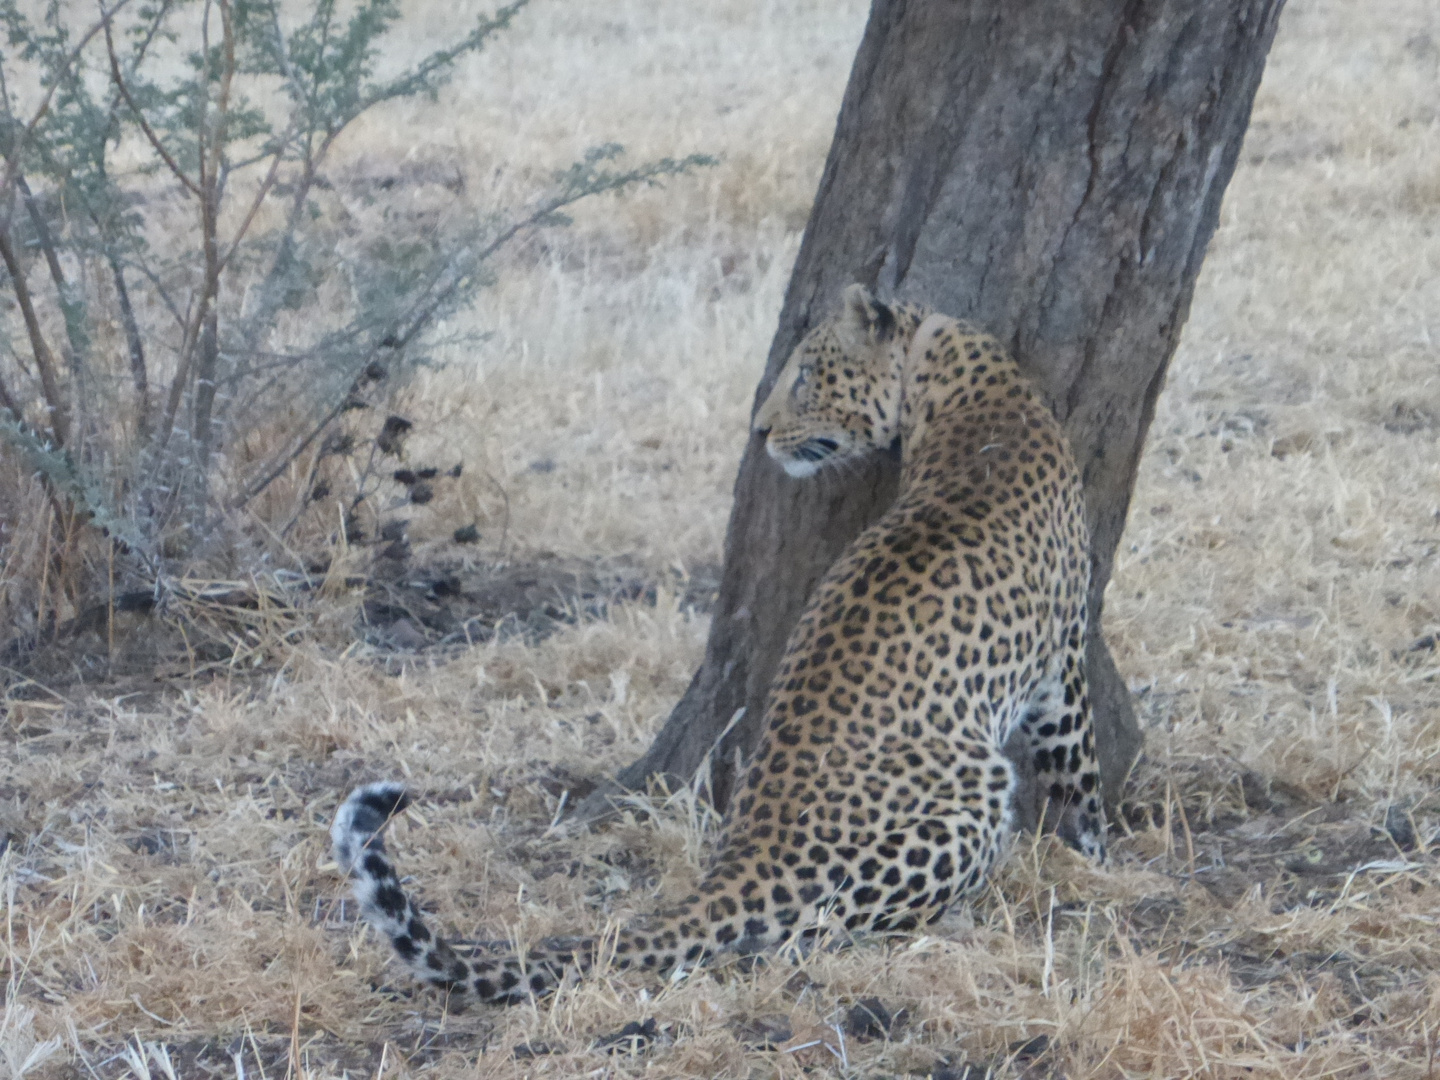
<point>838,395</point>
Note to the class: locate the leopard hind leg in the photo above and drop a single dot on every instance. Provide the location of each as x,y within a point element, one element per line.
<point>1058,739</point>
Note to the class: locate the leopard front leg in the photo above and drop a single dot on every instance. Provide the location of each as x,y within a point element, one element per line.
<point>1060,739</point>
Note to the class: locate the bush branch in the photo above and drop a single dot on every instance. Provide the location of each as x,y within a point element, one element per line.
<point>146,129</point>
<point>40,349</point>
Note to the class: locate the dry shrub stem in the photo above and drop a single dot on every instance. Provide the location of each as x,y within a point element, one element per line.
<point>58,414</point>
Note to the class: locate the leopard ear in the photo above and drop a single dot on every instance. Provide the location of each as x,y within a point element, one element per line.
<point>864,320</point>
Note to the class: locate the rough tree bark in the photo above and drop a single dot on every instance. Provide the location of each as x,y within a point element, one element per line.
<point>1052,171</point>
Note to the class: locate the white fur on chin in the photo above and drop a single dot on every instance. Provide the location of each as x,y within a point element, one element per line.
<point>793,466</point>
<point>801,469</point>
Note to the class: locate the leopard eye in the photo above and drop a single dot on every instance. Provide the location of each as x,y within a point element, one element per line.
<point>802,376</point>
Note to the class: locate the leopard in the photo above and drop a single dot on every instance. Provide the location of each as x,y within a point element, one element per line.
<point>882,789</point>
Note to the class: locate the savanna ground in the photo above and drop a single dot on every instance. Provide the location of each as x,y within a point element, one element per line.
<point>1271,907</point>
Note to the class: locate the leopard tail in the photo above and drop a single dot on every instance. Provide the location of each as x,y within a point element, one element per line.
<point>502,979</point>
<point>688,936</point>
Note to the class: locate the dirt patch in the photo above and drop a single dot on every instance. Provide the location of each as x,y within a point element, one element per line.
<point>401,608</point>
<point>458,604</point>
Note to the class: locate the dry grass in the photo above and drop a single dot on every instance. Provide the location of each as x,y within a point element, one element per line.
<point>168,904</point>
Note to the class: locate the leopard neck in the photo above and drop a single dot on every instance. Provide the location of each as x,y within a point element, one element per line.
<point>953,371</point>
<point>908,320</point>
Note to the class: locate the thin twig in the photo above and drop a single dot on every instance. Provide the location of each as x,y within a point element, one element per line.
<point>44,358</point>
<point>275,473</point>
<point>181,319</point>
<point>135,344</point>
<point>190,329</point>
<point>260,196</point>
<point>210,180</point>
<point>73,313</point>
<point>44,236</point>
<point>145,127</point>
<point>7,400</point>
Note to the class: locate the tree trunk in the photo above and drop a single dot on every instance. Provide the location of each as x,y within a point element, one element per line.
<point>1052,171</point>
